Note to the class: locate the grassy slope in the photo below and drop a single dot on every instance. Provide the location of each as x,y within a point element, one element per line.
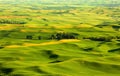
<point>73,59</point>
<point>59,58</point>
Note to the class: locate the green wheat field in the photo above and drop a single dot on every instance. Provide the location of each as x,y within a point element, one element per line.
<point>59,37</point>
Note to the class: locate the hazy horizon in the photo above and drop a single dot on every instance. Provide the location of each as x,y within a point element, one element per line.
<point>80,2</point>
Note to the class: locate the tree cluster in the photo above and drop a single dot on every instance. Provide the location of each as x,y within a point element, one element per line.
<point>116,28</point>
<point>60,36</point>
<point>13,21</point>
<point>57,36</point>
<point>31,37</point>
<point>102,38</point>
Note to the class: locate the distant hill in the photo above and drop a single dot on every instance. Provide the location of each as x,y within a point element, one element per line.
<point>79,2</point>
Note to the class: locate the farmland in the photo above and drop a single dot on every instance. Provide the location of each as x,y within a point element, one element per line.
<point>65,39</point>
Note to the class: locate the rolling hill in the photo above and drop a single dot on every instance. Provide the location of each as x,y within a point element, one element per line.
<point>59,38</point>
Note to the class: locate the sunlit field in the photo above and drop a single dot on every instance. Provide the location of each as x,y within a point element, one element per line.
<point>59,38</point>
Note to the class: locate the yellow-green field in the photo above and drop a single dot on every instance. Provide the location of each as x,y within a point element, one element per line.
<point>65,39</point>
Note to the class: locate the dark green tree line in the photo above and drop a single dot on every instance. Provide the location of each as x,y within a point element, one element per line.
<point>63,35</point>
<point>13,21</point>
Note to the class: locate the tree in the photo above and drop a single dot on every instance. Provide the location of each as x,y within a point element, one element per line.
<point>29,37</point>
<point>39,37</point>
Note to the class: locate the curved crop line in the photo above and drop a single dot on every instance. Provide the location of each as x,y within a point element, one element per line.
<point>45,43</point>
